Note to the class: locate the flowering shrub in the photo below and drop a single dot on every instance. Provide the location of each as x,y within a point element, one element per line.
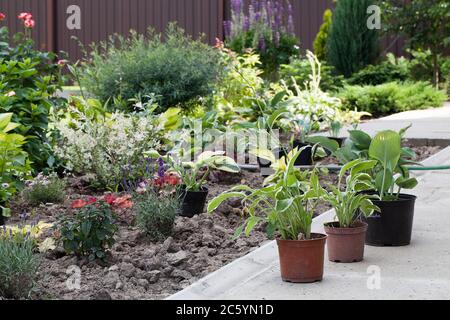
<point>28,81</point>
<point>268,28</point>
<point>90,231</point>
<point>107,147</point>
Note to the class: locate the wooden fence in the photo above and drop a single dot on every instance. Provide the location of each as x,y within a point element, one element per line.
<point>57,25</point>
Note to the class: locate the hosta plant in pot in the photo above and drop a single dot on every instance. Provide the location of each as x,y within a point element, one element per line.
<point>392,226</point>
<point>346,237</point>
<point>194,190</point>
<point>286,202</point>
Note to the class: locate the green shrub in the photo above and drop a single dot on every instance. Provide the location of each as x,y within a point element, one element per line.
<point>351,45</point>
<point>89,232</point>
<point>392,97</point>
<point>45,189</point>
<point>178,70</point>
<point>29,80</point>
<point>14,163</point>
<point>155,214</point>
<point>301,70</point>
<point>389,70</point>
<point>320,43</point>
<point>18,266</point>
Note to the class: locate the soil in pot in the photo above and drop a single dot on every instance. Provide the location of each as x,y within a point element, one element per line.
<point>393,225</point>
<point>193,202</point>
<point>346,245</point>
<point>302,261</point>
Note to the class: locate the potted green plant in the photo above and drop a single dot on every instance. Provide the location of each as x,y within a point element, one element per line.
<point>346,237</point>
<point>392,226</point>
<point>193,176</point>
<point>287,202</point>
<point>14,163</point>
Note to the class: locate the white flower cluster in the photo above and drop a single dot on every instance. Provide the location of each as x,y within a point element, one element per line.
<point>105,147</point>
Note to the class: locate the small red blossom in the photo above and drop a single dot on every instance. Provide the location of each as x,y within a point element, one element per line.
<point>170,179</point>
<point>80,203</point>
<point>25,16</point>
<point>124,202</point>
<point>2,16</point>
<point>110,198</point>
<point>62,63</point>
<point>29,23</point>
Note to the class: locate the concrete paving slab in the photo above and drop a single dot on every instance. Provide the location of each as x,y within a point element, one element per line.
<point>418,271</point>
<point>430,123</point>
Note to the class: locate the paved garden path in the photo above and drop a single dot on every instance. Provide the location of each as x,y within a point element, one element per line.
<point>429,123</point>
<point>419,271</point>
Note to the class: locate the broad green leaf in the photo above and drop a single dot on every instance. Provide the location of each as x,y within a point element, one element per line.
<point>361,139</point>
<point>386,148</point>
<point>407,183</point>
<point>327,143</point>
<point>217,201</point>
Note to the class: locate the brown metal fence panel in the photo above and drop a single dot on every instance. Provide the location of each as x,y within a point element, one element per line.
<point>101,18</point>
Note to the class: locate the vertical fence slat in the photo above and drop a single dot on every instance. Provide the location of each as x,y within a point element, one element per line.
<point>101,18</point>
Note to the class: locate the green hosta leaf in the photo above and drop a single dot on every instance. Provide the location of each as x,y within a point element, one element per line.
<point>238,232</point>
<point>407,183</point>
<point>264,154</point>
<point>368,208</point>
<point>386,148</point>
<point>327,143</point>
<point>283,205</point>
<point>361,139</point>
<point>388,181</point>
<point>217,201</point>
<point>251,223</point>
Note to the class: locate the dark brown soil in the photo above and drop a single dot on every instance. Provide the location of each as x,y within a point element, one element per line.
<point>139,269</point>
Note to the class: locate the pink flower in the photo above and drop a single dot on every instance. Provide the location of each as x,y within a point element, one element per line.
<point>10,94</point>
<point>25,16</point>
<point>2,16</point>
<point>29,23</point>
<point>62,63</point>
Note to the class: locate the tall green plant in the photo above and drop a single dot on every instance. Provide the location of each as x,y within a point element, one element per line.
<point>390,175</point>
<point>348,202</point>
<point>287,200</point>
<point>351,44</point>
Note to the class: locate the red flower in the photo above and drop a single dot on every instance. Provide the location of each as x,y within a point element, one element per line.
<point>2,16</point>
<point>29,23</point>
<point>170,179</point>
<point>124,202</point>
<point>25,16</point>
<point>110,199</point>
<point>80,203</point>
<point>62,63</point>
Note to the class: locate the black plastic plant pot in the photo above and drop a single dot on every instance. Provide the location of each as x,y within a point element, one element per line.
<point>305,158</point>
<point>393,225</point>
<point>2,220</point>
<point>193,202</point>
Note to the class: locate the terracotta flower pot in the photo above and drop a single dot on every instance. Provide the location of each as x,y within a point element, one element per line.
<point>302,261</point>
<point>346,245</point>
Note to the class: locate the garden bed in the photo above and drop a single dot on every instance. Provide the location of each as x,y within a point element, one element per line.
<point>139,269</point>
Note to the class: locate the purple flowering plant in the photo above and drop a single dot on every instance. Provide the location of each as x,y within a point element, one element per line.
<point>267,27</point>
